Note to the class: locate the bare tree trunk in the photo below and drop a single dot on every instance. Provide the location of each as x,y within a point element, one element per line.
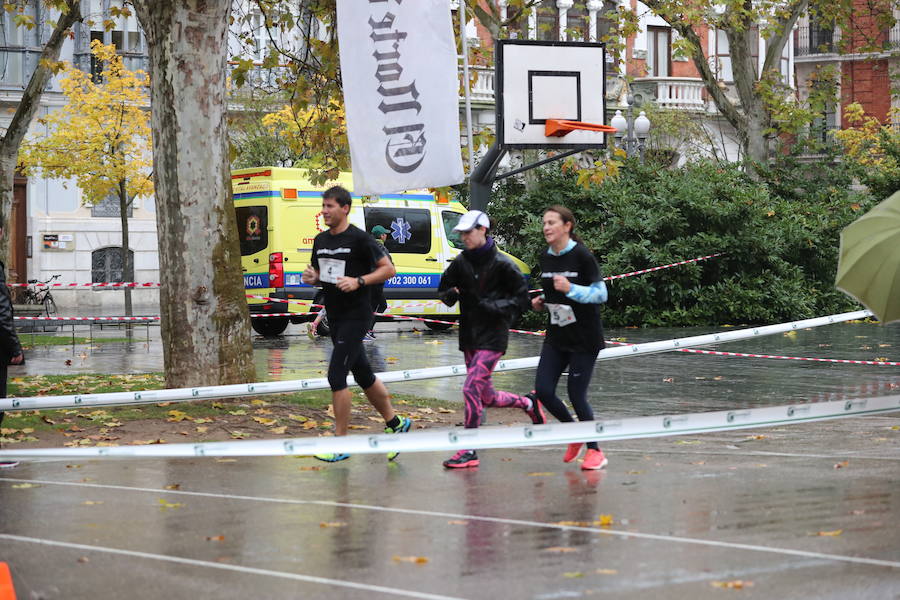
<point>205,319</point>
<point>25,112</point>
<point>127,261</point>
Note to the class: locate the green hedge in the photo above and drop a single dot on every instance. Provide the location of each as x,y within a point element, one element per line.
<point>781,238</point>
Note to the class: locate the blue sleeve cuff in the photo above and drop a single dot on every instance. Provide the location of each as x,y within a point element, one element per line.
<point>593,294</point>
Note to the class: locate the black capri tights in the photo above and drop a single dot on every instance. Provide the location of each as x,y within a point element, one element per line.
<point>550,367</point>
<point>348,354</point>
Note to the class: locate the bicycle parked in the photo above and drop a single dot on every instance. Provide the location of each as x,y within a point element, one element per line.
<point>36,294</point>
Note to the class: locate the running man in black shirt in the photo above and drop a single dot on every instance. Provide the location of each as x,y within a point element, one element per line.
<point>573,292</point>
<point>345,262</point>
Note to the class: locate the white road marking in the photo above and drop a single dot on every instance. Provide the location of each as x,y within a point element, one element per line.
<point>390,591</point>
<point>498,520</point>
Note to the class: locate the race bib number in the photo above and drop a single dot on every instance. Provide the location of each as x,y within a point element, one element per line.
<point>561,314</point>
<point>330,269</point>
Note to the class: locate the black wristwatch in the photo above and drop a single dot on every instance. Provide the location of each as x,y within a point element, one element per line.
<point>361,281</point>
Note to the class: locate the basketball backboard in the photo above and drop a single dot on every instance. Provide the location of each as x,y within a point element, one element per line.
<point>539,80</point>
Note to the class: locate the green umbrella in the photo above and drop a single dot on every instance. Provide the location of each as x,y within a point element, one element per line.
<point>869,264</point>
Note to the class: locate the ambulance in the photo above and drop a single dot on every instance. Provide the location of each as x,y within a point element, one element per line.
<point>279,213</point>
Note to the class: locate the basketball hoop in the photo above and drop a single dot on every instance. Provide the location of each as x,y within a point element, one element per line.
<point>560,127</point>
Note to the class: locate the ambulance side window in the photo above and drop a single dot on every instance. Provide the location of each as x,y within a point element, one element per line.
<point>410,228</point>
<point>253,228</point>
<point>450,219</point>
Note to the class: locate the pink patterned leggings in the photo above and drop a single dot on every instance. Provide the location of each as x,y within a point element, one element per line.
<point>479,391</point>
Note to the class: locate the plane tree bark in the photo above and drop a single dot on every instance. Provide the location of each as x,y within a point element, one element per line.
<point>205,319</point>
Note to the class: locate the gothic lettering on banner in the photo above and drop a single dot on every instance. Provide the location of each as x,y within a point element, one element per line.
<point>399,68</point>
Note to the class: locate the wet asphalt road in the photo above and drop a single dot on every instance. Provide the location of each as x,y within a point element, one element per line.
<point>807,511</point>
<point>688,517</point>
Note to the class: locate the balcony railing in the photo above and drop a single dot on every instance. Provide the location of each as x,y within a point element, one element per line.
<point>682,93</point>
<point>815,40</point>
<point>481,84</point>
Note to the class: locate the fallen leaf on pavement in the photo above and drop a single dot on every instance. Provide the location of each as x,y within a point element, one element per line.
<point>606,572</point>
<point>418,560</point>
<point>560,549</point>
<point>834,533</point>
<point>737,584</point>
<point>215,538</point>
<point>842,464</point>
<point>164,504</point>
<point>324,524</point>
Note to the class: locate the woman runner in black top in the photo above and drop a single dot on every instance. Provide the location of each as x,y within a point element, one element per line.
<point>573,292</point>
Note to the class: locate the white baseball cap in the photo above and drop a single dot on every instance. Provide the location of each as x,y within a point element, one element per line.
<point>471,220</point>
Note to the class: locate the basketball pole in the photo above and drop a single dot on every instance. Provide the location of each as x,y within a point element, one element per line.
<point>482,178</point>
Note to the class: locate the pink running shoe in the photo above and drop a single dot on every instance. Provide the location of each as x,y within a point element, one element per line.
<point>593,460</point>
<point>572,452</point>
<point>535,412</point>
<point>462,460</point>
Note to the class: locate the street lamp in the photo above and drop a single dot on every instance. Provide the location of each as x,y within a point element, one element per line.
<point>631,133</point>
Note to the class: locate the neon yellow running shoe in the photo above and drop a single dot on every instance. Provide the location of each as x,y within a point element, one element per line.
<point>404,426</point>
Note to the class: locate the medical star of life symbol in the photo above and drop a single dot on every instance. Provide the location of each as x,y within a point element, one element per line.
<point>400,230</point>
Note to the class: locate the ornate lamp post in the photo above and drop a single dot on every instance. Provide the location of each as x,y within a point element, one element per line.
<point>631,133</point>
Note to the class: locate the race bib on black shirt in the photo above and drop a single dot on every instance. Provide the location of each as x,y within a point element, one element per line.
<point>351,253</point>
<point>580,268</point>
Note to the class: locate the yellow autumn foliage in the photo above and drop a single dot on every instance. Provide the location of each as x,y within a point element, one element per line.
<point>863,140</point>
<point>101,136</point>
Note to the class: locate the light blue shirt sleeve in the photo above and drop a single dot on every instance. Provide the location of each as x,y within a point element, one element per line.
<point>589,294</point>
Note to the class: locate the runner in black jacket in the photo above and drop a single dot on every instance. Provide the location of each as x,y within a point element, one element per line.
<point>10,348</point>
<point>492,294</point>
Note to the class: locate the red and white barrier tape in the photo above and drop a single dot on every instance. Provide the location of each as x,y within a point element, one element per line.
<point>129,284</point>
<point>880,363</point>
<point>149,318</point>
<point>660,268</point>
<point>141,318</point>
<point>132,284</point>
<point>669,266</point>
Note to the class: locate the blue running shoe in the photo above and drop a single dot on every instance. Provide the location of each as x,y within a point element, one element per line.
<point>332,457</point>
<point>404,426</point>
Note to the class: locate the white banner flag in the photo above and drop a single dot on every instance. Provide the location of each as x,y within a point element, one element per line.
<point>398,64</point>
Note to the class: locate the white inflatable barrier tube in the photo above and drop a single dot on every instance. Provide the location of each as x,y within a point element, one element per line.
<point>283,387</point>
<point>492,437</point>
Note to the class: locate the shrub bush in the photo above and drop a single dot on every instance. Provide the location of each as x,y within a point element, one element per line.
<point>780,239</point>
